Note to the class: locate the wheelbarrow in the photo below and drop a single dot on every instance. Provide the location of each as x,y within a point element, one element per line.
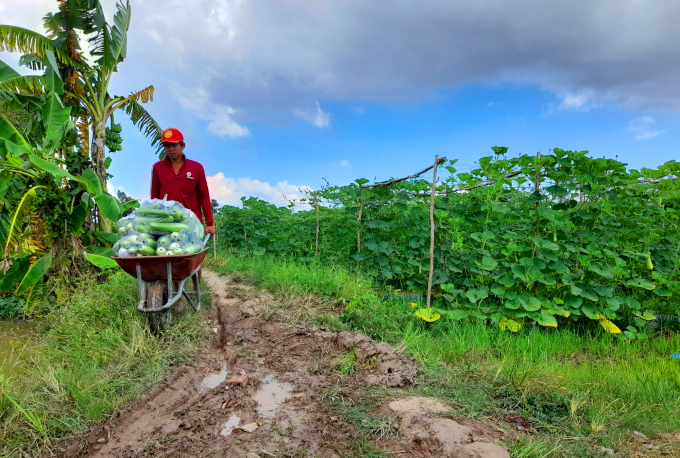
<point>155,276</point>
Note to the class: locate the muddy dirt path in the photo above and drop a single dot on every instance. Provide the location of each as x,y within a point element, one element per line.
<point>257,391</point>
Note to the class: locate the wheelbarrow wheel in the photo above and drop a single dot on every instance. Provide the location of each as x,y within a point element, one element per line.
<point>155,299</point>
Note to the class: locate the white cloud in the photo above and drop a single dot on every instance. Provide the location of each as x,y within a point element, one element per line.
<point>584,100</point>
<point>270,61</point>
<point>154,35</point>
<point>314,116</point>
<point>228,191</point>
<point>220,116</point>
<point>642,128</point>
<point>344,163</point>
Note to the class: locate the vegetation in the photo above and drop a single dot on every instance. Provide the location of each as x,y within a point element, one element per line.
<point>578,388</point>
<point>550,239</point>
<point>53,199</point>
<point>95,356</point>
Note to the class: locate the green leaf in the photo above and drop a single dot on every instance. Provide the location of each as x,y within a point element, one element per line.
<point>427,314</point>
<point>556,190</point>
<point>35,273</point>
<point>488,263</point>
<point>546,245</point>
<point>78,216</point>
<point>590,311</point>
<point>361,181</point>
<point>9,132</point>
<point>633,303</point>
<point>54,115</point>
<point>92,177</point>
<point>48,167</point>
<point>101,261</point>
<point>362,256</point>
<point>529,303</point>
<point>101,251</point>
<point>641,283</point>
<point>15,274</point>
<point>108,206</point>
<point>573,302</point>
<point>487,235</point>
<point>506,281</point>
<point>104,237</point>
<point>547,320</point>
<point>456,314</point>
<point>129,205</point>
<point>475,295</point>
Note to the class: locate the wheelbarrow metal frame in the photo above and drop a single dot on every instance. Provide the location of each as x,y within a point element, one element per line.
<point>152,272</point>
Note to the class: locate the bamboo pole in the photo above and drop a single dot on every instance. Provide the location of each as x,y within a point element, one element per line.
<point>537,188</point>
<point>434,190</point>
<point>245,233</point>
<point>316,204</point>
<point>361,208</point>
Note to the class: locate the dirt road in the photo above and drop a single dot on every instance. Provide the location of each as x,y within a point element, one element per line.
<point>262,389</point>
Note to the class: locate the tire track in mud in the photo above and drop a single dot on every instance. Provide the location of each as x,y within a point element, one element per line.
<point>253,392</point>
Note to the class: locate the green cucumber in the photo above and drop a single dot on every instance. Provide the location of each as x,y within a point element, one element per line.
<point>161,251</point>
<point>153,212</point>
<point>192,249</point>
<point>168,227</point>
<point>146,250</point>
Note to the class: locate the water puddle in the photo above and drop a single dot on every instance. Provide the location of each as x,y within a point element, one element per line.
<point>230,425</point>
<point>212,380</point>
<point>271,395</point>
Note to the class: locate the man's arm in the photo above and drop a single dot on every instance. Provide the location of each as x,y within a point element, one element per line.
<point>204,199</point>
<point>155,185</point>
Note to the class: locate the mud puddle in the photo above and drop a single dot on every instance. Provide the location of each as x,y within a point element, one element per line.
<point>253,392</point>
<point>271,395</point>
<point>212,380</point>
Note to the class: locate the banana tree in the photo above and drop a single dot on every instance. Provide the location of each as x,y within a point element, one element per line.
<point>85,84</point>
<point>34,160</point>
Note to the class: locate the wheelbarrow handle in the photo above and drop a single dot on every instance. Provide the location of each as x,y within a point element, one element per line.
<point>205,240</point>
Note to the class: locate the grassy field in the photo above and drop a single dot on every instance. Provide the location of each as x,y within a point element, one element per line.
<point>95,356</point>
<point>580,388</point>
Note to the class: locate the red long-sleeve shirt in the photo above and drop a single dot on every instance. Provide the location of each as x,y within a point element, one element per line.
<point>188,187</point>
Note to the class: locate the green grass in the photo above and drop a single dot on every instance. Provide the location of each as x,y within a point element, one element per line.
<point>95,356</point>
<point>291,277</point>
<point>580,387</point>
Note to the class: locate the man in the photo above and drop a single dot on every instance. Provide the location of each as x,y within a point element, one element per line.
<point>182,179</point>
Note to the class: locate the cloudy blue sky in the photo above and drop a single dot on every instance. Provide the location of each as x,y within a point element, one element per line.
<point>277,95</point>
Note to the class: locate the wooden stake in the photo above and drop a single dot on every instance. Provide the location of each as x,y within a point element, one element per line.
<point>537,188</point>
<point>361,208</point>
<point>245,233</point>
<point>316,204</point>
<point>434,190</point>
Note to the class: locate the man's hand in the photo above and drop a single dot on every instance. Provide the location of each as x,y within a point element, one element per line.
<point>210,230</point>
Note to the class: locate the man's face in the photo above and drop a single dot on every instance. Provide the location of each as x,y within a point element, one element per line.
<point>173,150</point>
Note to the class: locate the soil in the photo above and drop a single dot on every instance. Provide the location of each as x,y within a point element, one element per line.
<point>257,391</point>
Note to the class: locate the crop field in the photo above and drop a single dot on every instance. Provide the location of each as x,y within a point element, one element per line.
<point>555,239</point>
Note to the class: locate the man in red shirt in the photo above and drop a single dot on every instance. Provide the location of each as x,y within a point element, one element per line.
<point>182,179</point>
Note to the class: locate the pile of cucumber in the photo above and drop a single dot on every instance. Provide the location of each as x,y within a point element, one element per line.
<point>160,218</point>
<point>159,228</point>
<point>142,244</point>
